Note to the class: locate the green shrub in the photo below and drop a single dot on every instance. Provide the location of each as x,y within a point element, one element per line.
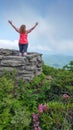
<point>21,119</point>
<point>59,117</point>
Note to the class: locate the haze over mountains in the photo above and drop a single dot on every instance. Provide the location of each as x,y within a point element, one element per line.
<point>57,61</point>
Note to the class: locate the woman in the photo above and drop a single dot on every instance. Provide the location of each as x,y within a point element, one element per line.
<point>23,39</point>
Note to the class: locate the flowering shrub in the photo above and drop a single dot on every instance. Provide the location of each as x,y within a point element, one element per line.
<point>36,121</point>
<point>66,96</point>
<point>54,115</point>
<point>42,108</point>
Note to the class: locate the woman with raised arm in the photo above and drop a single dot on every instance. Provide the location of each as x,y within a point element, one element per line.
<point>23,39</point>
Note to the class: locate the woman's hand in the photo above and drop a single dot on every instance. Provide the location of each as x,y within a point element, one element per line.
<point>10,22</point>
<point>36,23</point>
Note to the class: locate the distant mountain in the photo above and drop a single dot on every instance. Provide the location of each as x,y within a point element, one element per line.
<point>57,61</point>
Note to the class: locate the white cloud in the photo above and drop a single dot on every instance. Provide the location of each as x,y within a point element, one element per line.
<point>64,46</point>
<point>8,44</point>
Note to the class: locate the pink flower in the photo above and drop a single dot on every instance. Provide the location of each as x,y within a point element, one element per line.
<point>37,128</point>
<point>66,96</point>
<point>36,124</point>
<point>35,117</point>
<point>36,121</point>
<point>40,108</point>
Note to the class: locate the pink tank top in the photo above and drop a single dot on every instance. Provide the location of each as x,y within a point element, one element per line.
<point>23,38</point>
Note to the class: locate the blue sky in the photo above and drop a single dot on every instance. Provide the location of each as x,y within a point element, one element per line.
<point>53,35</point>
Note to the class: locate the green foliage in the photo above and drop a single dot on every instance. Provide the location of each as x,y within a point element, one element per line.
<point>49,70</point>
<point>69,66</point>
<point>18,100</point>
<point>37,80</point>
<point>21,119</point>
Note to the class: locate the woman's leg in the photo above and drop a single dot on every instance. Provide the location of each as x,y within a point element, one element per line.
<point>25,46</point>
<point>20,49</point>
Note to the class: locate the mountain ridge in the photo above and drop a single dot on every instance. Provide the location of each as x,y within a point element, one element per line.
<point>57,61</point>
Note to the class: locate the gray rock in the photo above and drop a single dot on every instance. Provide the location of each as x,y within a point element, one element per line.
<point>26,67</point>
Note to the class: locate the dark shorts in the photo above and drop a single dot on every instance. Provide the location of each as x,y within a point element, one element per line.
<point>23,48</point>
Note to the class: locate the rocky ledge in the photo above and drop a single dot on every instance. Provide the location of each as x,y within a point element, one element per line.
<point>26,67</point>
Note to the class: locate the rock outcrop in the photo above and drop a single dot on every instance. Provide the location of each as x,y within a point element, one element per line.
<point>26,67</point>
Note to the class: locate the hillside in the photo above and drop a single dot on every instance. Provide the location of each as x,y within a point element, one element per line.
<point>44,103</point>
